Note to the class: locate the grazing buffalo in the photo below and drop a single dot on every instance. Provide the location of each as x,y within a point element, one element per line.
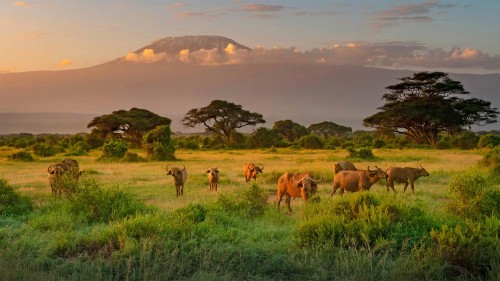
<point>295,185</point>
<point>357,180</point>
<point>213,178</point>
<point>180,177</point>
<point>72,163</point>
<point>404,175</point>
<point>343,166</point>
<point>251,170</point>
<point>61,173</point>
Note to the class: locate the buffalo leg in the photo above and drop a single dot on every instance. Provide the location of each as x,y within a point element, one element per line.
<point>278,201</point>
<point>406,185</point>
<point>288,200</point>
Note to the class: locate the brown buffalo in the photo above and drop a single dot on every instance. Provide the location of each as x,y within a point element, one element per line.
<point>180,177</point>
<point>251,170</point>
<point>213,178</point>
<point>343,166</point>
<point>357,180</point>
<point>404,175</point>
<point>60,174</point>
<point>295,185</point>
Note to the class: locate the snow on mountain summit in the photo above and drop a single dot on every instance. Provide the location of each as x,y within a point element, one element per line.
<point>173,45</point>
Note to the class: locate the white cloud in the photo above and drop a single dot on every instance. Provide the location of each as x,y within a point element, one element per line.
<point>387,54</point>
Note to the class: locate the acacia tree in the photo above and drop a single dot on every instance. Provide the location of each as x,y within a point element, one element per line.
<point>327,129</point>
<point>290,130</point>
<point>129,125</point>
<point>429,102</point>
<point>222,118</point>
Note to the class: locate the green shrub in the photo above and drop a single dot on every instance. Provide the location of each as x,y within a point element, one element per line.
<point>79,148</point>
<point>488,140</point>
<point>473,195</point>
<point>492,160</point>
<point>104,205</point>
<point>467,140</point>
<point>158,144</point>
<point>311,142</point>
<point>378,143</point>
<point>46,150</point>
<point>21,156</point>
<point>255,199</point>
<point>363,220</point>
<point>443,144</point>
<point>362,153</point>
<point>12,203</point>
<point>114,149</point>
<point>132,157</point>
<point>472,248</point>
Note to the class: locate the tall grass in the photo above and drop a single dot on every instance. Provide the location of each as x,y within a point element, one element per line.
<point>126,223</point>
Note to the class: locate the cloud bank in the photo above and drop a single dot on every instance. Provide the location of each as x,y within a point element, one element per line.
<point>388,54</point>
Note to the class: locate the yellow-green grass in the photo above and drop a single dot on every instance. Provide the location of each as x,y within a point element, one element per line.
<point>150,183</point>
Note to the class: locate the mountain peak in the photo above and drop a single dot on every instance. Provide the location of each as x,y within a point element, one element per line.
<point>173,45</point>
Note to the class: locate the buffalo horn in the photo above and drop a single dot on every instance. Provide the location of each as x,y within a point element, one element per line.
<point>166,168</point>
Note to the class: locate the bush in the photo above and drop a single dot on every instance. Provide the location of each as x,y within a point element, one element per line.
<point>362,153</point>
<point>473,247</point>
<point>488,140</point>
<point>114,149</point>
<point>378,143</point>
<point>311,142</point>
<point>132,157</point>
<point>45,150</point>
<point>363,220</point>
<point>100,205</point>
<point>443,144</point>
<point>473,196</point>
<point>492,160</point>
<point>255,199</point>
<point>79,148</point>
<point>11,203</point>
<point>158,144</point>
<point>468,140</point>
<point>21,156</point>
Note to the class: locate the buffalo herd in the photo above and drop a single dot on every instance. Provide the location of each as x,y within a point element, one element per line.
<point>291,185</point>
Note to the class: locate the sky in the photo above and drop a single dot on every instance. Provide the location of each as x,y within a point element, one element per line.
<point>456,35</point>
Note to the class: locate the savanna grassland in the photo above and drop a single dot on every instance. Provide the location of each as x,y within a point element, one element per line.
<point>128,224</point>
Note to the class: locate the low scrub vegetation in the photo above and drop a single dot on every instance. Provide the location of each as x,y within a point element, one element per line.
<point>122,221</point>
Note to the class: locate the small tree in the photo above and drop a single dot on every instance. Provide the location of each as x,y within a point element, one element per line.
<point>158,144</point>
<point>130,125</point>
<point>290,130</point>
<point>328,129</point>
<point>222,118</point>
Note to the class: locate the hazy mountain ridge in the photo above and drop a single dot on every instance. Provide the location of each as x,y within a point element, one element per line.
<point>304,93</point>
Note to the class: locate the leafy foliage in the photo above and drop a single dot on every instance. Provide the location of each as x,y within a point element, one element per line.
<point>473,195</point>
<point>130,125</point>
<point>362,153</point>
<point>21,156</point>
<point>12,203</point>
<point>328,129</point>
<point>488,140</point>
<point>423,105</point>
<point>290,130</point>
<point>492,160</point>
<point>311,142</point>
<point>114,149</point>
<point>222,118</point>
<point>45,150</point>
<point>158,144</point>
<point>472,248</point>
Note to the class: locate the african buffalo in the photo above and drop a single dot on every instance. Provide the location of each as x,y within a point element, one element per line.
<point>213,178</point>
<point>251,170</point>
<point>404,175</point>
<point>60,173</point>
<point>180,177</point>
<point>357,180</point>
<point>343,166</point>
<point>295,185</point>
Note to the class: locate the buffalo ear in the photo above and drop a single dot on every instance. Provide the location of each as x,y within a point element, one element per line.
<point>208,171</point>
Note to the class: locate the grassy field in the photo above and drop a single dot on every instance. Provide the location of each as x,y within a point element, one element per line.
<point>227,243</point>
<point>150,182</point>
